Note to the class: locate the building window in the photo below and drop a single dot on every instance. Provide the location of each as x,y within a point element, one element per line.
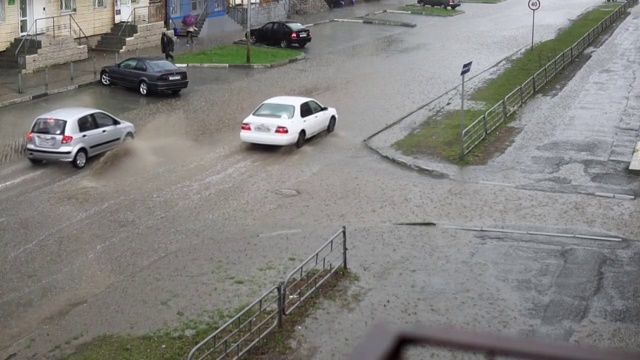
<point>99,3</point>
<point>67,6</point>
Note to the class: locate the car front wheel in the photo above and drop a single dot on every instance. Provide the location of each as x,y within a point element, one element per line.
<point>332,125</point>
<point>284,44</point>
<point>105,79</point>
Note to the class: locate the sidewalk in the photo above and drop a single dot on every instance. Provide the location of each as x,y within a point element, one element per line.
<point>59,77</point>
<point>85,72</point>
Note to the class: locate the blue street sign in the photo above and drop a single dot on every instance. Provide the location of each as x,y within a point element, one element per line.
<point>466,68</point>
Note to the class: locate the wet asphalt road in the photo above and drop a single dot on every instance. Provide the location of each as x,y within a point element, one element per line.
<point>169,225</point>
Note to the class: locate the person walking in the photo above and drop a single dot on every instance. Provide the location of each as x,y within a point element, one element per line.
<point>190,30</point>
<point>167,46</point>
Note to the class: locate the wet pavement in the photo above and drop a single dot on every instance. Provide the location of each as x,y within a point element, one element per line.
<point>170,227</point>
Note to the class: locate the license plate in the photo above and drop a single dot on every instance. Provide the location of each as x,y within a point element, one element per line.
<point>47,142</point>
<point>177,77</point>
<point>303,34</point>
<point>262,128</point>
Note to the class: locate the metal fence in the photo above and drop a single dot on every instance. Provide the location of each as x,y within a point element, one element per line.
<point>473,134</point>
<point>235,338</point>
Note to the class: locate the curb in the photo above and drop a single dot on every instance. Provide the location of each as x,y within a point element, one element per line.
<point>458,12</point>
<point>47,93</point>
<point>246,66</point>
<point>419,168</point>
<point>366,21</point>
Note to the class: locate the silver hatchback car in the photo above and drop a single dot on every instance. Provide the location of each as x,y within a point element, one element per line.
<point>74,135</point>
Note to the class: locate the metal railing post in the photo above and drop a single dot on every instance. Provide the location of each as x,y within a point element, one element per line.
<point>95,70</point>
<point>504,109</point>
<point>116,57</point>
<point>20,82</point>
<point>46,78</point>
<point>280,304</point>
<point>484,122</point>
<point>344,247</point>
<point>71,71</point>
<point>533,83</point>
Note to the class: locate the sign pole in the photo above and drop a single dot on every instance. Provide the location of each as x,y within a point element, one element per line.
<point>462,119</point>
<point>533,27</point>
<point>465,70</point>
<point>249,32</point>
<point>533,6</point>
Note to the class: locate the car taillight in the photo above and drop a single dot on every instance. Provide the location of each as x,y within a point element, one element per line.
<point>29,136</point>
<point>282,130</point>
<point>294,35</point>
<point>246,127</point>
<point>66,139</point>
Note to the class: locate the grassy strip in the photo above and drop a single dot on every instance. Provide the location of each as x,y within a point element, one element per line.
<point>429,10</point>
<point>236,54</point>
<point>439,135</point>
<point>176,343</point>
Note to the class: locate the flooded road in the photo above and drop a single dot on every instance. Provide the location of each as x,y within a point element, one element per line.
<point>172,224</point>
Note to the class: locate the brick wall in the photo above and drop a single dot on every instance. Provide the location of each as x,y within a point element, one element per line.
<point>9,27</point>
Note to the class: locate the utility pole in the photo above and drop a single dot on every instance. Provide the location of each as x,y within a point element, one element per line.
<point>465,70</point>
<point>249,32</point>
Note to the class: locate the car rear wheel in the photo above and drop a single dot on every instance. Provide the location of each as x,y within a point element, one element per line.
<point>80,160</point>
<point>143,88</point>
<point>302,137</point>
<point>420,3</point>
<point>302,44</point>
<point>175,92</point>
<point>332,125</point>
<point>105,79</point>
<point>128,137</point>
<point>284,44</point>
<point>36,161</point>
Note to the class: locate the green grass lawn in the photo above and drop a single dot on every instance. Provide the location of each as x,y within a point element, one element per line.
<point>175,344</point>
<point>429,10</point>
<point>236,54</point>
<point>439,135</point>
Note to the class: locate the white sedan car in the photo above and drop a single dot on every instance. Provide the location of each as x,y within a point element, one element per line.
<point>287,120</point>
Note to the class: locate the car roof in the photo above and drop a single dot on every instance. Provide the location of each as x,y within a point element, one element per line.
<point>147,58</point>
<point>288,100</point>
<point>69,113</point>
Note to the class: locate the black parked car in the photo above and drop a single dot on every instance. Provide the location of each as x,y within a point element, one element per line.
<point>444,3</point>
<point>283,33</point>
<point>147,74</point>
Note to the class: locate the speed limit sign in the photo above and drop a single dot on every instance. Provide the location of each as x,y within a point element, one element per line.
<point>534,5</point>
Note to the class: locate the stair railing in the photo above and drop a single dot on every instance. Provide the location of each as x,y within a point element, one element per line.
<point>131,20</point>
<point>205,11</point>
<point>56,30</point>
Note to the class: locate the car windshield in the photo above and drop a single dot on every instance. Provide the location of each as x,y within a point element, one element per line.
<point>274,110</point>
<point>49,126</point>
<point>295,26</point>
<point>159,65</point>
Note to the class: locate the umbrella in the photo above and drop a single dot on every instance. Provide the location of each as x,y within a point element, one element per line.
<point>189,20</point>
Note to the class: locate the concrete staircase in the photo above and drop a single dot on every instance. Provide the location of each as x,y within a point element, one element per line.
<point>116,39</point>
<point>125,37</point>
<point>8,58</point>
<point>45,51</point>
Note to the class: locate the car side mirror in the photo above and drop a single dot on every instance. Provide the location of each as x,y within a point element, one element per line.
<point>118,66</point>
<point>324,108</point>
